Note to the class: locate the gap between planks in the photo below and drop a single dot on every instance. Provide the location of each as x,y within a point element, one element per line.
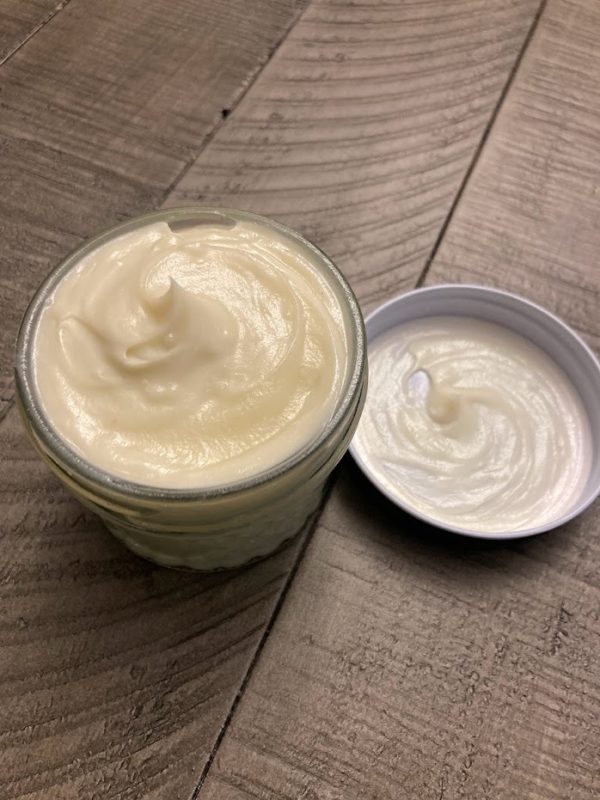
<point>308,534</point>
<point>226,113</point>
<point>482,142</point>
<point>56,10</point>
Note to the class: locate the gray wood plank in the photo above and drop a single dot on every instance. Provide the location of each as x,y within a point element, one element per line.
<point>529,221</point>
<point>21,19</point>
<point>361,129</point>
<point>406,663</point>
<point>115,675</point>
<point>410,663</point>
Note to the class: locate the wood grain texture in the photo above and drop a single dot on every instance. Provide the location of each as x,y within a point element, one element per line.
<point>361,128</point>
<point>529,221</point>
<point>409,663</point>
<point>20,19</point>
<point>102,111</point>
<point>115,675</point>
<point>406,663</point>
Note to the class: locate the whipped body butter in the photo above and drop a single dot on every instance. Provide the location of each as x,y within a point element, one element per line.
<point>483,412</point>
<point>472,425</point>
<point>194,376</point>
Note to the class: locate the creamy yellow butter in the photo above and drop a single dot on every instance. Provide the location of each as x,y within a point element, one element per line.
<point>472,425</point>
<point>191,358</point>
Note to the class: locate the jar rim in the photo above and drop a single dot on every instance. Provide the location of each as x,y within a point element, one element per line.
<point>66,456</point>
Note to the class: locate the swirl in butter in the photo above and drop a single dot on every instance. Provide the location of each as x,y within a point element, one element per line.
<point>473,426</point>
<point>192,358</point>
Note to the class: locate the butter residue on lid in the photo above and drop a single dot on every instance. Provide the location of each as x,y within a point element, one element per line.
<point>481,414</point>
<point>496,439</point>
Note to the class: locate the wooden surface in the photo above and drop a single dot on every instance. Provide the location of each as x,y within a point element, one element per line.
<point>413,141</point>
<point>20,20</point>
<point>529,221</point>
<point>363,126</point>
<point>115,676</point>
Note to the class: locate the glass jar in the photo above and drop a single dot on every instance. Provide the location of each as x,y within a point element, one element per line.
<point>204,528</point>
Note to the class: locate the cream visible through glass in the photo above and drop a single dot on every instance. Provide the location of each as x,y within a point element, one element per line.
<point>191,358</point>
<point>473,426</point>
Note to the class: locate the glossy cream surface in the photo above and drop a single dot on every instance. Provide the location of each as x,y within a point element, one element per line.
<point>192,358</point>
<point>472,425</point>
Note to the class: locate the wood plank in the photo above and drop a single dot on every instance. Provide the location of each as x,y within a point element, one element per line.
<point>20,19</point>
<point>102,111</point>
<point>361,129</point>
<point>406,663</point>
<point>115,675</point>
<point>529,221</point>
<point>410,663</point>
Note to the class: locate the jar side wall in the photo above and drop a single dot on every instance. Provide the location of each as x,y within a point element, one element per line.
<point>217,533</point>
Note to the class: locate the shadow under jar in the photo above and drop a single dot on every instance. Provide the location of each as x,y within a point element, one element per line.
<point>204,525</point>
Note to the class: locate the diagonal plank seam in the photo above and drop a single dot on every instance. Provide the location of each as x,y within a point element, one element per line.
<point>9,403</point>
<point>56,10</point>
<point>482,142</point>
<point>228,112</point>
<point>263,640</point>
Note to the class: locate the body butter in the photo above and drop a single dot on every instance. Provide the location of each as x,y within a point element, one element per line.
<point>192,357</point>
<point>473,426</point>
<point>193,376</point>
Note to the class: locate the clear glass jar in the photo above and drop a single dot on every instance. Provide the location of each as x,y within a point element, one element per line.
<point>223,526</point>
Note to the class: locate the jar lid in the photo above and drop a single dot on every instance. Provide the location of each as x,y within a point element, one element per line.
<point>380,455</point>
